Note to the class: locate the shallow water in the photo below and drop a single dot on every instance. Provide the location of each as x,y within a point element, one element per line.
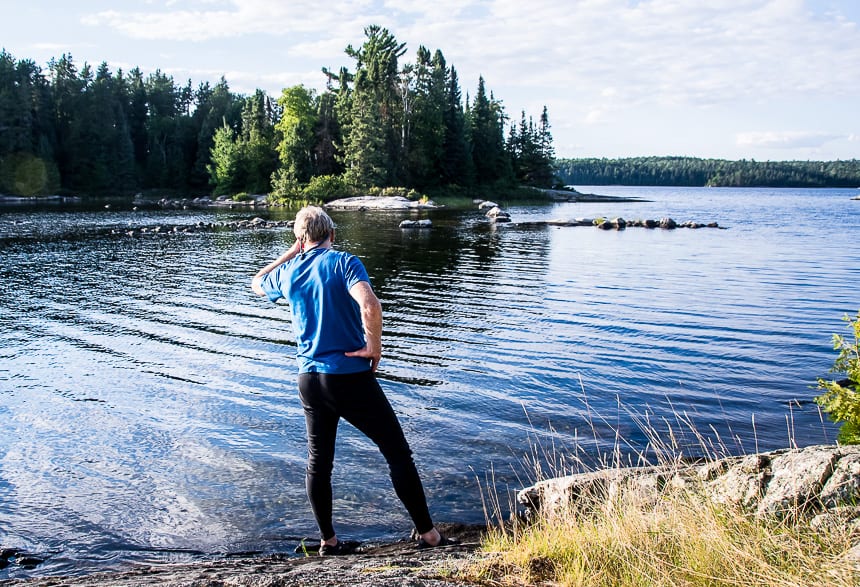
<point>147,399</point>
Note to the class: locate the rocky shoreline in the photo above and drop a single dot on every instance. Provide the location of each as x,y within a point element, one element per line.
<point>374,565</point>
<point>815,485</point>
<point>357,202</point>
<point>261,201</point>
<point>4,199</point>
<point>256,223</point>
<point>818,485</point>
<point>496,215</point>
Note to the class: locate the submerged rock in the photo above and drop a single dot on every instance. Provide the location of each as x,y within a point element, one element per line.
<point>424,223</point>
<point>254,224</point>
<point>496,214</point>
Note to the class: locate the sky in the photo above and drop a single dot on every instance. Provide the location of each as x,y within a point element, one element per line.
<point>732,79</point>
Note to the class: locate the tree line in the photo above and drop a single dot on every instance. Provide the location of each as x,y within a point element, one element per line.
<point>377,124</point>
<point>691,171</point>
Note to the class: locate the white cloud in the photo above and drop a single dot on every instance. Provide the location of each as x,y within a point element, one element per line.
<point>591,61</point>
<point>595,116</point>
<point>236,18</point>
<point>786,139</point>
<point>654,51</point>
<point>56,47</point>
<point>609,92</point>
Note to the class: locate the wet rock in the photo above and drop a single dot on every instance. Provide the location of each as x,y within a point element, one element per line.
<point>16,557</point>
<point>615,223</point>
<point>256,223</point>
<point>496,214</point>
<point>571,195</point>
<point>253,201</point>
<point>28,562</point>
<point>570,222</point>
<point>424,223</point>
<point>619,223</point>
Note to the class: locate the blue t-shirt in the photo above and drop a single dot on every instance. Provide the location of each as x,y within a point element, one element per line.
<point>326,319</point>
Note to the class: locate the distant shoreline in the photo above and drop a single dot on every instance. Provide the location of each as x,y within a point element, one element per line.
<point>4,199</point>
<point>575,196</point>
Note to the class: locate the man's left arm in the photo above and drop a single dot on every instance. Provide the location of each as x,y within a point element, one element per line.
<point>371,320</point>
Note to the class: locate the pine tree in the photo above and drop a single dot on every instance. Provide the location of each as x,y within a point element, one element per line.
<point>425,120</point>
<point>365,147</point>
<point>486,123</point>
<point>27,140</point>
<point>456,168</point>
<point>67,89</point>
<point>215,107</point>
<point>376,110</point>
<point>327,137</point>
<point>257,144</point>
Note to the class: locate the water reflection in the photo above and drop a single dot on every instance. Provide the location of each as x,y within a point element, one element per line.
<point>147,398</point>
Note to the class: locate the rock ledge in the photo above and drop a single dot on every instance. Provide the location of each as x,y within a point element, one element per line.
<point>815,483</point>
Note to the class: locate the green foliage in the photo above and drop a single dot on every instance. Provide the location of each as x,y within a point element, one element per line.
<point>485,123</point>
<point>285,188</point>
<point>92,131</point>
<point>296,127</point>
<point>392,191</point>
<point>372,148</point>
<point>531,151</point>
<point>323,188</point>
<point>694,172</point>
<point>841,399</point>
<point>24,174</point>
<point>365,155</point>
<point>245,161</point>
<point>225,168</point>
<point>259,159</point>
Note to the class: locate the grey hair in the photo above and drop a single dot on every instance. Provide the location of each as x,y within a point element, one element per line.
<point>313,224</point>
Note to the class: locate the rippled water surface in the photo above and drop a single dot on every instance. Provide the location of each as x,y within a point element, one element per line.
<point>147,399</point>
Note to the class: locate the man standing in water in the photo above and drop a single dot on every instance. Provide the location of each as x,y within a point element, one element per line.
<point>337,320</point>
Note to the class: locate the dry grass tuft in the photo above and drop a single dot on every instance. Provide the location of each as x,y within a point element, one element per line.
<point>682,538</point>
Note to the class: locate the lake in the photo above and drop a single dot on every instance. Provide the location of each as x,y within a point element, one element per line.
<point>148,410</point>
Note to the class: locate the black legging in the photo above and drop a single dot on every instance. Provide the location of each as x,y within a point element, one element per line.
<point>358,399</point>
